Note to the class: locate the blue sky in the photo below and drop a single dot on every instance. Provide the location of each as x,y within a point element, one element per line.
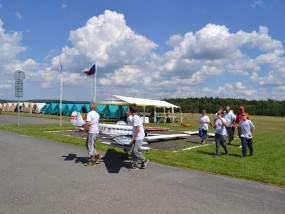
<point>144,48</point>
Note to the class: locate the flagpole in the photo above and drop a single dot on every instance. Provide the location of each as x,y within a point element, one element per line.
<point>95,82</point>
<point>60,105</point>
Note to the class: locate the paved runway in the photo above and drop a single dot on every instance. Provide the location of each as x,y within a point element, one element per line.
<point>10,119</point>
<point>42,176</point>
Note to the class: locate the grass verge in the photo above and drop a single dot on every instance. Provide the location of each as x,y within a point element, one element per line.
<point>266,165</point>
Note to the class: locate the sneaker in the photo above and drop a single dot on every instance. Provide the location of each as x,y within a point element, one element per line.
<point>90,163</point>
<point>203,142</point>
<point>97,158</point>
<point>227,153</point>
<point>133,168</point>
<point>144,163</point>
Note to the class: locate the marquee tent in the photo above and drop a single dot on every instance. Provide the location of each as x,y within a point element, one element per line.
<point>114,111</point>
<point>37,107</point>
<point>122,100</point>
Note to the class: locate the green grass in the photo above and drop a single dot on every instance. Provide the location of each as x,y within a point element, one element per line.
<point>266,165</point>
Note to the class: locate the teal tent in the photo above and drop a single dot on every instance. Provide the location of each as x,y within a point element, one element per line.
<point>102,111</point>
<point>63,108</point>
<point>43,109</point>
<point>124,109</point>
<point>47,108</point>
<point>78,107</point>
<point>87,107</point>
<point>54,108</point>
<point>69,109</point>
<point>114,112</point>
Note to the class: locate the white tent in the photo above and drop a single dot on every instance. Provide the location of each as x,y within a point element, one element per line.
<point>122,100</point>
<point>5,107</point>
<point>37,107</point>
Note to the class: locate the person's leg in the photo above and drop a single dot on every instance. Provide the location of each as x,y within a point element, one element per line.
<point>230,134</point>
<point>137,150</point>
<point>205,135</point>
<point>90,148</point>
<point>223,143</point>
<point>244,144</point>
<point>134,157</point>
<point>233,133</point>
<point>217,139</point>
<point>250,146</point>
<point>201,134</point>
<point>96,154</point>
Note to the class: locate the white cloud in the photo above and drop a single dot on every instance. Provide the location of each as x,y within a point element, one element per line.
<point>9,44</point>
<point>198,64</point>
<point>209,62</point>
<point>107,40</point>
<point>18,15</point>
<point>257,4</point>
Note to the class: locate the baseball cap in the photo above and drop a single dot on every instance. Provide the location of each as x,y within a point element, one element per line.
<point>241,107</point>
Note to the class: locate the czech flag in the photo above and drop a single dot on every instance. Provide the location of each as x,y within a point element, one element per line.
<point>90,71</point>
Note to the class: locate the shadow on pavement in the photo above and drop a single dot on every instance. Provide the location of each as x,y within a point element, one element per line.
<point>76,159</point>
<point>113,160</point>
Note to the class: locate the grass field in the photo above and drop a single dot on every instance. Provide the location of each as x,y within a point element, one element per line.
<point>267,165</point>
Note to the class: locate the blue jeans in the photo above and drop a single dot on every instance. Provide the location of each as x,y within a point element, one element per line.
<point>220,140</point>
<point>246,142</point>
<point>203,133</point>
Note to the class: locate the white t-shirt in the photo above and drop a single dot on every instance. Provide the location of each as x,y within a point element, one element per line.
<point>136,121</point>
<point>246,126</point>
<point>206,121</point>
<point>220,128</point>
<point>93,117</point>
<point>230,117</point>
<point>129,120</point>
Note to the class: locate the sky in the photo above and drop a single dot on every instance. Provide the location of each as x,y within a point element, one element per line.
<point>152,49</point>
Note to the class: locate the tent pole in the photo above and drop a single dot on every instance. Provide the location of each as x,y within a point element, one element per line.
<point>172,115</point>
<point>143,114</point>
<point>181,120</point>
<point>154,115</point>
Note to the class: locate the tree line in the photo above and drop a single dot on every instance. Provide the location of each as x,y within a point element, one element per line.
<point>268,107</point>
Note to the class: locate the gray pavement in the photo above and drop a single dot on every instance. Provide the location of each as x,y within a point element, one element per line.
<point>42,176</point>
<point>10,119</point>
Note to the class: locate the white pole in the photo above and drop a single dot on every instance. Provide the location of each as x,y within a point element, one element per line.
<point>18,109</point>
<point>60,105</point>
<point>95,82</point>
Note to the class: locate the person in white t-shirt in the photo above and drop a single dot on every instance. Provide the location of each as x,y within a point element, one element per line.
<point>137,139</point>
<point>92,126</point>
<point>220,135</point>
<point>204,121</point>
<point>247,128</point>
<point>230,119</point>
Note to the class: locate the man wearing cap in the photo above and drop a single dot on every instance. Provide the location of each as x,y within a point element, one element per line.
<point>239,119</point>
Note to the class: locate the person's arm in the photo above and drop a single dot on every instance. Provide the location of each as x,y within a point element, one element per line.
<point>252,130</point>
<point>224,122</point>
<point>136,133</point>
<point>86,128</point>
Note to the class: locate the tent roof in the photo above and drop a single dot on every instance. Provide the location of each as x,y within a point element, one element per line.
<point>122,100</point>
<point>39,105</point>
